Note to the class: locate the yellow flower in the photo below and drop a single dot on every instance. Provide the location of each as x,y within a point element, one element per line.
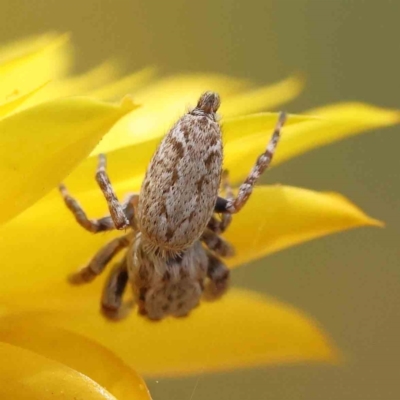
<point>42,245</point>
<point>58,363</point>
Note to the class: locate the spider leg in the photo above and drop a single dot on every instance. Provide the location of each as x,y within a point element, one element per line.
<point>111,300</point>
<point>91,225</point>
<point>108,222</point>
<point>218,273</point>
<point>100,260</point>
<point>116,211</point>
<point>220,225</point>
<point>129,205</point>
<point>234,205</point>
<point>216,244</point>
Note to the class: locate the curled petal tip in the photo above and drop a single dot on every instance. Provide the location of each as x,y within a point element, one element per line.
<point>376,222</point>
<point>363,218</point>
<point>128,103</point>
<point>298,80</point>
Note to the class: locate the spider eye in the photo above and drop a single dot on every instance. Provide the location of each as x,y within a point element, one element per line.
<point>209,102</point>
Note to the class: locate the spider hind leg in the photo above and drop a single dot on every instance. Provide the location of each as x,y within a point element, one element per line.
<point>97,264</point>
<point>218,274</point>
<point>112,306</point>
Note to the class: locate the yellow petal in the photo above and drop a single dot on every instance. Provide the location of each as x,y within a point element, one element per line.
<point>10,105</point>
<point>25,375</point>
<point>41,145</point>
<point>162,104</point>
<point>185,89</point>
<point>44,58</point>
<point>330,124</point>
<point>335,123</point>
<point>277,217</point>
<point>101,82</point>
<point>74,351</point>
<point>26,45</point>
<point>240,330</point>
<point>81,85</point>
<point>166,100</point>
<point>240,128</point>
<point>62,248</point>
<point>264,98</point>
<point>127,84</point>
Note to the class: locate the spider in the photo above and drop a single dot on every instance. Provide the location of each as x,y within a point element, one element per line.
<point>172,241</point>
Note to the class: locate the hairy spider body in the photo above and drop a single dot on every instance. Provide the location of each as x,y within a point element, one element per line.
<point>180,189</point>
<point>173,248</point>
<point>163,287</point>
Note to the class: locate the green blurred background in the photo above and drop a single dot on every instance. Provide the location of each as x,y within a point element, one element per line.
<point>348,50</point>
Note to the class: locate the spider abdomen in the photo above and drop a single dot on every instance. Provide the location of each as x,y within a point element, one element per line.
<point>180,188</point>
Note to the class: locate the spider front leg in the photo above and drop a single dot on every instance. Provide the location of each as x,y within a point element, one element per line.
<point>91,225</point>
<point>234,205</point>
<point>116,211</point>
<point>111,300</point>
<point>121,215</point>
<point>100,260</point>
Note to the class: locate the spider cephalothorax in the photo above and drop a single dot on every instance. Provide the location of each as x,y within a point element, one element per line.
<point>173,247</point>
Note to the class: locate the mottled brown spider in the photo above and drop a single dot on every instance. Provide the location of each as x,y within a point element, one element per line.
<point>173,247</point>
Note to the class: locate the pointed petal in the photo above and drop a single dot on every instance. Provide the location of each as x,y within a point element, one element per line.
<point>277,217</point>
<point>264,98</point>
<point>235,128</point>
<point>26,45</point>
<point>127,84</point>
<point>324,126</point>
<point>163,102</point>
<point>44,58</point>
<point>12,104</point>
<point>80,85</point>
<point>240,330</point>
<point>76,352</point>
<point>41,145</point>
<point>101,82</point>
<point>185,89</point>
<point>169,98</point>
<point>336,122</point>
<point>25,375</point>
